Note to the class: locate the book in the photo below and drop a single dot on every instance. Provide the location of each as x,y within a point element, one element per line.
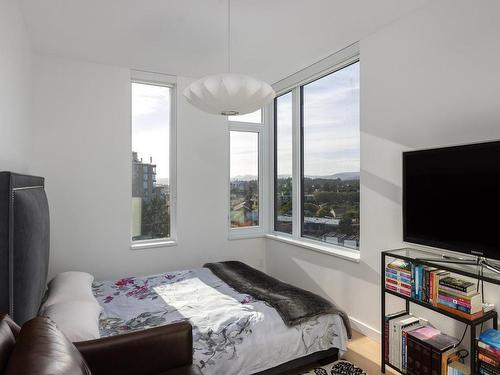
<point>460,307</point>
<point>401,265</point>
<point>473,299</point>
<point>397,343</point>
<point>438,275</point>
<point>491,337</point>
<point>488,348</point>
<point>387,320</point>
<point>460,313</point>
<point>404,342</point>
<point>434,338</point>
<point>487,368</point>
<point>393,340</point>
<point>484,358</point>
<point>471,304</point>
<point>457,284</point>
<point>470,293</point>
<point>433,344</point>
<point>489,354</point>
<point>398,279</point>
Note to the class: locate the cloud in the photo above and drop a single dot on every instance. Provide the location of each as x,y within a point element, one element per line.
<point>151,125</point>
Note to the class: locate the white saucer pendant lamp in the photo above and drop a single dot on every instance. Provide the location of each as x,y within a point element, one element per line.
<point>229,94</point>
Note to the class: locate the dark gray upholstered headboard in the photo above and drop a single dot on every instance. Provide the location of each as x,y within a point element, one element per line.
<point>24,244</point>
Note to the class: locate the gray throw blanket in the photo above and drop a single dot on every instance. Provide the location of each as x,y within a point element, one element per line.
<point>294,305</point>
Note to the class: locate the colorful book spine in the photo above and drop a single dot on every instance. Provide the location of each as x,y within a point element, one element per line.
<point>459,313</point>
<point>457,301</point>
<point>487,359</point>
<point>453,290</point>
<point>456,306</point>
<point>488,348</point>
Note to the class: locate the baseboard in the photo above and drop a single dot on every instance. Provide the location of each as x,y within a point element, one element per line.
<point>365,329</point>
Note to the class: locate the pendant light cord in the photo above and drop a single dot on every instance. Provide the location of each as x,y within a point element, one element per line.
<point>229,36</point>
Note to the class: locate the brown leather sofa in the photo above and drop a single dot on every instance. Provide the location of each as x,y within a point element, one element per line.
<point>39,348</point>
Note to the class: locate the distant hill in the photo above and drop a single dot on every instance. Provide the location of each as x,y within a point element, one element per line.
<point>246,177</point>
<point>344,176</point>
<point>162,181</point>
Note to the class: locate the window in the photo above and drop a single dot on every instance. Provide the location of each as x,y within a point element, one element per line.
<point>330,163</point>
<point>254,117</point>
<point>151,164</point>
<point>283,164</point>
<point>244,174</point>
<point>317,158</point>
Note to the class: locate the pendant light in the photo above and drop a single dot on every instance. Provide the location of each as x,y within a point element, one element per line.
<point>229,94</point>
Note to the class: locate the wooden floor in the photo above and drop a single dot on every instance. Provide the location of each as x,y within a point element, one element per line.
<point>365,353</point>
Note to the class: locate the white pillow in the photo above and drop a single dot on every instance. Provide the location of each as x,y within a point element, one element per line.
<point>78,320</point>
<point>69,286</point>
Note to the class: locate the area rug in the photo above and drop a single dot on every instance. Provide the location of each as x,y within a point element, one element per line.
<point>337,368</point>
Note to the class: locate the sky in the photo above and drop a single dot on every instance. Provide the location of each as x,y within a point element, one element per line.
<point>151,125</point>
<point>244,151</point>
<point>331,128</point>
<point>331,125</point>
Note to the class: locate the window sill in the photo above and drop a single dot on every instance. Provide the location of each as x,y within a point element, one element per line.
<point>336,251</point>
<point>152,244</point>
<point>246,233</point>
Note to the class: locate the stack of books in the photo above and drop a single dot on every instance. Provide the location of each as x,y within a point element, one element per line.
<point>459,297</point>
<point>428,351</point>
<point>426,283</point>
<point>488,356</point>
<point>398,277</point>
<point>397,326</point>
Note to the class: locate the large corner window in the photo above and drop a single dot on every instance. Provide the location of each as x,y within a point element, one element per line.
<point>245,174</point>
<point>317,153</point>
<point>152,198</point>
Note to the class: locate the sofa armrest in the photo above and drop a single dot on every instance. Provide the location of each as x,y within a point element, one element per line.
<point>150,351</point>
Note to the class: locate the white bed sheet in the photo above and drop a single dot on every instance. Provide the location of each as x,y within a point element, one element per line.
<point>232,332</point>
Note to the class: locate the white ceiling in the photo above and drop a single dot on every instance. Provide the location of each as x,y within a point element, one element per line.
<point>271,38</point>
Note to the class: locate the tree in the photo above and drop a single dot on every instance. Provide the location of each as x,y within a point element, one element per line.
<point>155,218</point>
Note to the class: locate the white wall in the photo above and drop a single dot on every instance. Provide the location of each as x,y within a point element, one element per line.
<point>430,79</point>
<point>15,89</point>
<point>83,148</point>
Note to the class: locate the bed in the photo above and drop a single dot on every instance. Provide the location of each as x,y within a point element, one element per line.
<point>235,330</point>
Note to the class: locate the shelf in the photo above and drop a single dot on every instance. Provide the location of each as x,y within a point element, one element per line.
<point>486,316</point>
<point>433,260</point>
<point>427,258</point>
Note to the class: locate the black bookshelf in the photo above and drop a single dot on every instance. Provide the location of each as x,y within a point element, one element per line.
<point>432,259</point>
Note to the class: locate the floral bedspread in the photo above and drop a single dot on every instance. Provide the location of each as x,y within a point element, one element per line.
<point>232,332</point>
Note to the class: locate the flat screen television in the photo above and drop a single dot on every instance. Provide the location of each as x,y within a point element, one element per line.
<point>451,198</point>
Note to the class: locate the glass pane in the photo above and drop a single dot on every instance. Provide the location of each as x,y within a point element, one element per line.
<point>283,186</point>
<point>150,162</point>
<point>330,197</point>
<point>255,117</point>
<point>244,188</point>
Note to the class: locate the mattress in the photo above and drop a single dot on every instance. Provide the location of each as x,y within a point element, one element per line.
<point>233,333</point>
